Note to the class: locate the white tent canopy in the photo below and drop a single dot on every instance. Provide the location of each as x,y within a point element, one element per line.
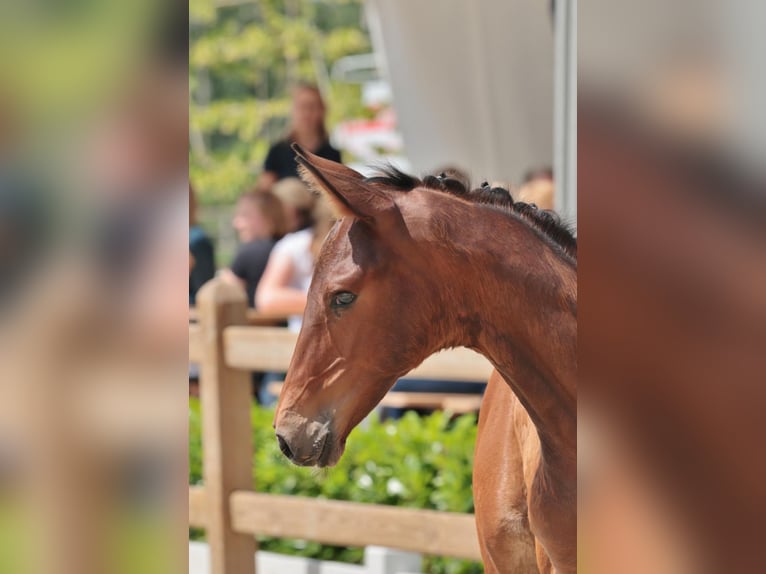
<point>472,82</point>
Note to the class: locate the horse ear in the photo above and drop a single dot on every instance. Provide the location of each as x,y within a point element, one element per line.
<point>345,189</point>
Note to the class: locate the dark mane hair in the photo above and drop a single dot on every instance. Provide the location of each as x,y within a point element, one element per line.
<point>390,176</point>
<point>547,222</point>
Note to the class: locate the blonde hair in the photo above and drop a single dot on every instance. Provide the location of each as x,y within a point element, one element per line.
<point>293,192</point>
<point>296,195</point>
<point>272,210</point>
<point>324,219</point>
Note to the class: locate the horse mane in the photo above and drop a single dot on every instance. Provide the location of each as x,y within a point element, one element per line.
<point>546,222</point>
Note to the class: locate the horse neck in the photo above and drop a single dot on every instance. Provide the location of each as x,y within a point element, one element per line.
<point>515,303</point>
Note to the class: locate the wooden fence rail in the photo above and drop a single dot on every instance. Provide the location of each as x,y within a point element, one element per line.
<point>226,348</point>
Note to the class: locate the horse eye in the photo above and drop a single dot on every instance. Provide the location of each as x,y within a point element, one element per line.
<point>343,299</point>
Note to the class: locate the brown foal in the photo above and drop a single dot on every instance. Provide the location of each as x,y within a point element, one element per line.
<point>413,267</point>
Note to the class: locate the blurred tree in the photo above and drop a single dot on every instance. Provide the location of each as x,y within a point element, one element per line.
<point>243,57</point>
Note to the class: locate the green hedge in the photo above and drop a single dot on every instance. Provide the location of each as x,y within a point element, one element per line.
<point>418,462</point>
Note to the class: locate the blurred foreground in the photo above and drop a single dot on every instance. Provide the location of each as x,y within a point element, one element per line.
<point>93,257</point>
<point>672,284</point>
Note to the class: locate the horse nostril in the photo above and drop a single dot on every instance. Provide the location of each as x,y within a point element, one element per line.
<point>283,446</point>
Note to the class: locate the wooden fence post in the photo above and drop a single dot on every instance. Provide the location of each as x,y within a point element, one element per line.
<point>225,398</point>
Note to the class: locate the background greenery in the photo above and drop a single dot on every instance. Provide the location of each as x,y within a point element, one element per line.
<point>243,57</point>
<point>419,462</point>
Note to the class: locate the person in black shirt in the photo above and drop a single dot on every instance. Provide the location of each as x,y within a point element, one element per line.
<point>307,129</point>
<point>260,222</point>
<point>201,252</point>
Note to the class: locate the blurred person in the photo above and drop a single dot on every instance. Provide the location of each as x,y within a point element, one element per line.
<point>260,222</point>
<point>202,261</point>
<point>538,188</point>
<point>25,218</point>
<point>297,201</point>
<point>288,272</point>
<point>285,282</point>
<point>94,350</point>
<point>307,128</point>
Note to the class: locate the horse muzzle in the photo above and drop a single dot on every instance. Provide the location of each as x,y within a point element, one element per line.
<point>306,442</point>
